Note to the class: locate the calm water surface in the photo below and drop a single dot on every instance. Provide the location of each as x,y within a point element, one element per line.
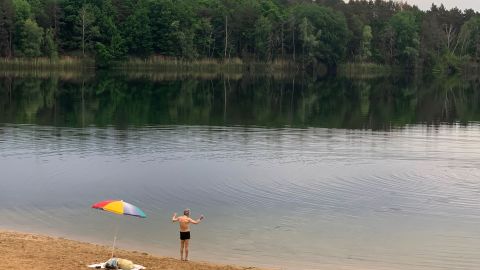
<point>294,175</point>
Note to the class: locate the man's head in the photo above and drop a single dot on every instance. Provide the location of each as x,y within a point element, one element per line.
<point>186,212</point>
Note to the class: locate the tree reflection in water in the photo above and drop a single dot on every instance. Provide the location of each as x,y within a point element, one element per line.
<point>119,100</point>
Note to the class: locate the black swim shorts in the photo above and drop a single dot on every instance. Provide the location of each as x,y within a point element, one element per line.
<point>184,235</point>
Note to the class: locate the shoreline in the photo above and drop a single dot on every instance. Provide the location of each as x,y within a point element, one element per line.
<point>151,64</point>
<point>21,250</point>
<point>157,64</point>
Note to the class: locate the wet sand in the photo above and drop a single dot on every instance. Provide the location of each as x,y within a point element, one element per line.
<point>31,251</point>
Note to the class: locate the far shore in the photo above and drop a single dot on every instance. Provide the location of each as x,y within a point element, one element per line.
<point>19,251</point>
<point>159,66</point>
<point>152,63</point>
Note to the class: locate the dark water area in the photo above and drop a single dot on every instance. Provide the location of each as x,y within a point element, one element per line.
<point>120,101</point>
<point>291,173</point>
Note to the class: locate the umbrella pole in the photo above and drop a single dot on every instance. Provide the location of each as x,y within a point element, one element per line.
<point>114,240</point>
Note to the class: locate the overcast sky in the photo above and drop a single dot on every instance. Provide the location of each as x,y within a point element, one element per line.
<point>461,4</point>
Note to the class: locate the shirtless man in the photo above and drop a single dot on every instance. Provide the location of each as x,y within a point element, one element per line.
<point>185,221</point>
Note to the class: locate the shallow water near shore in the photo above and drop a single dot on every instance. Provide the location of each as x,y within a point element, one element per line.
<point>290,173</point>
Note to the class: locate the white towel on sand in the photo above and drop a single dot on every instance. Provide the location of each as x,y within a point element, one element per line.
<point>102,266</point>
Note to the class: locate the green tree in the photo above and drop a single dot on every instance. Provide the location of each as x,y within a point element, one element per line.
<point>23,10</point>
<point>38,9</point>
<point>31,39</point>
<point>310,41</point>
<point>117,47</point>
<point>50,47</point>
<point>6,28</point>
<point>173,26</point>
<point>137,31</point>
<point>354,45</point>
<point>330,27</point>
<point>69,34</point>
<point>382,31</point>
<point>263,38</point>
<point>184,38</point>
<point>86,28</point>
<point>163,15</point>
<point>204,38</point>
<point>432,45</point>
<point>106,16</point>
<point>469,38</point>
<point>366,42</point>
<point>115,50</point>
<point>405,26</point>
<point>53,12</point>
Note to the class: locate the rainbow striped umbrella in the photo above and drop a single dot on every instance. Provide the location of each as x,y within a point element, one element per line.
<point>120,207</point>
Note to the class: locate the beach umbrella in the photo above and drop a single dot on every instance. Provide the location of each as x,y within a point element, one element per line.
<point>119,207</point>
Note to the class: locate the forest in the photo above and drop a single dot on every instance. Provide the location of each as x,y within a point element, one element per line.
<point>306,32</point>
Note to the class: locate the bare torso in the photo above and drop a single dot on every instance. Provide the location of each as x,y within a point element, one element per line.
<point>184,222</point>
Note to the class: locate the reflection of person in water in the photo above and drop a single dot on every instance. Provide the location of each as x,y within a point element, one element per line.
<point>184,222</point>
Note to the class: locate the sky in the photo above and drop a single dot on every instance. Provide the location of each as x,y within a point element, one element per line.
<point>461,4</point>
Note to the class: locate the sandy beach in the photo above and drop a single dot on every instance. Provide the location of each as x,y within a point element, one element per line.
<point>31,251</point>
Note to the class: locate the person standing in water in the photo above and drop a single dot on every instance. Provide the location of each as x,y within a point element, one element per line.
<point>184,222</point>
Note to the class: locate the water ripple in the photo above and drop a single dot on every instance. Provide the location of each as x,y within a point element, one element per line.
<point>408,198</point>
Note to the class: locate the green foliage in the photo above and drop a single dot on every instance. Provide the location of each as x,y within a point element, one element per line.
<point>105,15</point>
<point>137,31</point>
<point>447,64</point>
<point>469,38</point>
<point>106,54</point>
<point>172,28</point>
<point>31,39</point>
<point>354,45</point>
<point>184,37</point>
<point>103,56</point>
<point>310,41</point>
<point>323,33</point>
<point>86,30</point>
<point>306,33</point>
<point>23,10</point>
<point>50,48</point>
<point>6,27</point>
<point>406,41</point>
<point>263,38</point>
<point>366,43</point>
<point>204,39</point>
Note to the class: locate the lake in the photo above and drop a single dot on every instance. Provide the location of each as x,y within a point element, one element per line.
<point>291,173</point>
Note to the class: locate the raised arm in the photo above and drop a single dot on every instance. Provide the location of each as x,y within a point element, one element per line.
<point>174,218</point>
<point>197,221</point>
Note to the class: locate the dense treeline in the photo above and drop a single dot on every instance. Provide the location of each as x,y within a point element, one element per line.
<point>307,32</point>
